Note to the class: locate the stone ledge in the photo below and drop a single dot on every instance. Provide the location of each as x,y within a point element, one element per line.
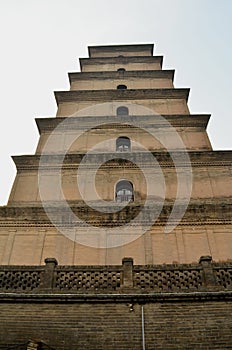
<point>122,60</point>
<point>72,160</point>
<point>116,122</point>
<point>128,297</point>
<point>202,212</point>
<point>115,48</point>
<point>158,74</point>
<point>113,95</point>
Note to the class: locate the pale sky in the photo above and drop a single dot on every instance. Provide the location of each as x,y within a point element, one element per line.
<point>41,41</point>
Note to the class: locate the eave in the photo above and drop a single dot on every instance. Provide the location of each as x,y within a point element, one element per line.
<point>119,48</point>
<point>121,60</point>
<point>78,123</point>
<point>209,211</point>
<point>72,160</point>
<point>114,95</point>
<point>156,74</point>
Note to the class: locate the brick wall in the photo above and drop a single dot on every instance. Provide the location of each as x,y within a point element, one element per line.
<point>111,325</point>
<point>184,306</point>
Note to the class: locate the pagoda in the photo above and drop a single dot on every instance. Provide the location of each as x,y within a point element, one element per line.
<point>118,230</point>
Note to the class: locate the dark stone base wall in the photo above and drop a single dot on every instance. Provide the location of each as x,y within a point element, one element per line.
<point>114,325</point>
<point>54,307</point>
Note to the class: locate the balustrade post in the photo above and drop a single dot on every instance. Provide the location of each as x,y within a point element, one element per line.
<point>208,274</point>
<point>127,278</point>
<point>47,277</point>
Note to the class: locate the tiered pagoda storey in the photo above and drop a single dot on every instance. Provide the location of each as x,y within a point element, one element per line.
<point>118,230</point>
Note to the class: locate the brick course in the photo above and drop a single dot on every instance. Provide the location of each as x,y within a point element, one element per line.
<point>178,312</point>
<point>111,325</point>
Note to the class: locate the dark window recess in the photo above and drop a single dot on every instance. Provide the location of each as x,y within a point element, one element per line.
<point>121,87</point>
<point>121,70</point>
<point>122,110</point>
<point>123,144</point>
<point>124,192</point>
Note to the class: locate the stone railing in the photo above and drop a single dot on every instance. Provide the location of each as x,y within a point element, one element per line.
<point>116,279</point>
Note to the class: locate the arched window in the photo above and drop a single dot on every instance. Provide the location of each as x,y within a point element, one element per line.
<point>121,87</point>
<point>121,70</point>
<point>122,110</point>
<point>123,144</point>
<point>124,191</point>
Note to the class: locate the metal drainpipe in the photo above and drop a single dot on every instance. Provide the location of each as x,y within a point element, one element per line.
<point>143,331</point>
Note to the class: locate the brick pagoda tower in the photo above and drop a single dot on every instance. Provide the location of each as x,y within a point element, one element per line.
<point>124,170</point>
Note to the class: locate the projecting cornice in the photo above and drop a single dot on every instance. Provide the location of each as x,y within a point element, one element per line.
<point>156,74</point>
<point>209,211</point>
<point>120,122</point>
<point>114,95</point>
<point>72,160</point>
<point>104,49</point>
<point>121,60</point>
<point>129,297</point>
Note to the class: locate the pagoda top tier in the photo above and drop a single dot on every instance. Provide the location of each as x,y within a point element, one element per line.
<point>121,50</point>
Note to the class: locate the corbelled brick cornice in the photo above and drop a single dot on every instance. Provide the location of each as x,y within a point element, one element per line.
<point>120,48</point>
<point>113,95</point>
<point>72,160</point>
<point>156,74</point>
<point>79,123</point>
<point>122,60</point>
<point>199,212</point>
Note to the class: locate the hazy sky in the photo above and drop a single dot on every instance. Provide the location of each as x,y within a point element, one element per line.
<point>41,41</point>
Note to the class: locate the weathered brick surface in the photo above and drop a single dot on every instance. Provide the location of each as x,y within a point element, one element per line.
<point>205,325</point>
<point>185,325</point>
<point>100,307</point>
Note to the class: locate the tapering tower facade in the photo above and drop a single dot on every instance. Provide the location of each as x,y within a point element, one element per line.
<point>121,221</point>
<point>123,170</point>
